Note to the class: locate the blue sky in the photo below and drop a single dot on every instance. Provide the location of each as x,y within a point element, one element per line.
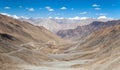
<point>61,8</point>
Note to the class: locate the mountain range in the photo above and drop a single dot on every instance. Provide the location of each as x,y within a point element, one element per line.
<point>24,46</point>
<point>55,25</point>
<point>83,31</point>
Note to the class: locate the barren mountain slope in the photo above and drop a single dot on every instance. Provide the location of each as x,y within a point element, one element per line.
<point>23,47</point>
<point>83,31</point>
<point>47,23</point>
<point>25,31</point>
<point>102,47</point>
<point>17,43</point>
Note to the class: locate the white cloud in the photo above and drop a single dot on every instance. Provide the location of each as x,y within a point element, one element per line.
<point>30,9</point>
<point>49,8</point>
<point>7,7</point>
<point>97,8</point>
<point>63,8</point>
<point>106,18</point>
<point>78,18</point>
<point>83,12</point>
<point>24,17</point>
<point>84,18</point>
<point>59,18</point>
<point>5,14</point>
<point>102,17</point>
<point>96,5</point>
<point>14,16</point>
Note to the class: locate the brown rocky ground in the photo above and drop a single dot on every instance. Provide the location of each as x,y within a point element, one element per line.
<point>24,46</point>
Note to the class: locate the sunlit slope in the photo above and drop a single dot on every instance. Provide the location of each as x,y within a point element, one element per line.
<point>15,37</point>
<point>25,31</point>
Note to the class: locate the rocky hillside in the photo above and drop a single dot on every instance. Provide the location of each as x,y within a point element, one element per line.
<point>83,31</point>
<point>24,46</point>
<point>104,46</point>
<point>17,43</point>
<point>25,31</point>
<point>99,50</point>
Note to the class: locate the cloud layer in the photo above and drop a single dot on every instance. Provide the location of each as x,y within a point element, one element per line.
<point>49,8</point>
<point>63,8</point>
<point>30,9</point>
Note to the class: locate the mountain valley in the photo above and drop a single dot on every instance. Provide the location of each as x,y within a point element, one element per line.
<point>24,46</point>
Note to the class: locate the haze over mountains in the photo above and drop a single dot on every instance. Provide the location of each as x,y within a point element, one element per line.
<point>56,24</point>
<point>24,46</point>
